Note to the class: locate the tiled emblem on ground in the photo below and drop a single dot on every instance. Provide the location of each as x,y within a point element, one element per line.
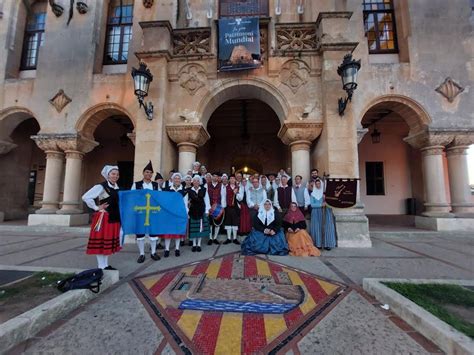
<point>235,304</point>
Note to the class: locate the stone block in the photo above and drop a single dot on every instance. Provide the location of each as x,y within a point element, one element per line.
<point>67,220</point>
<point>445,224</point>
<point>2,217</point>
<point>353,231</point>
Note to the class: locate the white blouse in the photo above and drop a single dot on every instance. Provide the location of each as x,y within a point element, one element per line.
<point>97,191</point>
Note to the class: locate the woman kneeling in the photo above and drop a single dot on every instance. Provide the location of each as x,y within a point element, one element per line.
<point>299,241</point>
<point>267,235</point>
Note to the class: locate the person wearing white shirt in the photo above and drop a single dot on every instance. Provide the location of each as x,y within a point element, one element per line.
<point>231,195</point>
<point>104,237</point>
<point>301,194</point>
<point>256,196</point>
<point>199,206</point>
<point>284,196</point>
<point>146,184</point>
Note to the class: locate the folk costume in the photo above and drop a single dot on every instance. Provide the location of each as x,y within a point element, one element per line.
<point>199,206</point>
<point>301,195</point>
<point>177,237</point>
<point>284,196</point>
<point>232,195</point>
<point>214,190</point>
<point>299,241</point>
<point>152,185</point>
<point>259,240</point>
<point>104,237</point>
<point>255,197</point>
<point>323,229</point>
<point>245,223</point>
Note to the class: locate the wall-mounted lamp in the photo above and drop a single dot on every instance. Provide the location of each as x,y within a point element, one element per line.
<point>375,135</point>
<point>142,78</point>
<point>348,72</point>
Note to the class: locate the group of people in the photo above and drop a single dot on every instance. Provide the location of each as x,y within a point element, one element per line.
<point>271,210</point>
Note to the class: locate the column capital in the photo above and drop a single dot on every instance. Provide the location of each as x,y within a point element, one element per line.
<point>132,136</point>
<point>432,150</point>
<point>187,147</point>
<point>300,145</point>
<point>66,142</point>
<point>426,139</point>
<point>300,131</point>
<point>460,143</point>
<point>6,146</point>
<point>188,133</point>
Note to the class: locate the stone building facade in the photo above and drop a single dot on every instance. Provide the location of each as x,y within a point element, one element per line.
<point>67,104</point>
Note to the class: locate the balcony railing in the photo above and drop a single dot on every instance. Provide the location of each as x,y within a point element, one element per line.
<point>232,8</point>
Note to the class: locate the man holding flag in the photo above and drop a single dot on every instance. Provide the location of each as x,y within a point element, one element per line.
<point>146,184</point>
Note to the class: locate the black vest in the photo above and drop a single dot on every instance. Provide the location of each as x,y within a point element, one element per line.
<point>197,206</point>
<point>139,185</point>
<point>113,201</point>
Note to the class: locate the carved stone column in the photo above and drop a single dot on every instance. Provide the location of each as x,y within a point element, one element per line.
<point>299,135</point>
<point>188,137</point>
<point>459,176</point>
<point>75,147</point>
<point>53,173</point>
<point>431,145</point>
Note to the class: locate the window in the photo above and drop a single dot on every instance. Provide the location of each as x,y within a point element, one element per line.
<point>119,31</point>
<point>374,178</point>
<point>34,36</point>
<point>233,8</point>
<point>379,24</point>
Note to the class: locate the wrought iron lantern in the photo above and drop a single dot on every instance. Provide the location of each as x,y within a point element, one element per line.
<point>375,135</point>
<point>142,78</point>
<point>348,72</point>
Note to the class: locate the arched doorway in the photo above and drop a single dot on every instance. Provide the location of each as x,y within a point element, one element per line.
<point>244,139</point>
<point>391,169</point>
<point>22,164</point>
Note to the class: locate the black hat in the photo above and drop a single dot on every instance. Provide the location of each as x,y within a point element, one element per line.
<point>149,166</point>
<point>216,173</point>
<point>158,176</point>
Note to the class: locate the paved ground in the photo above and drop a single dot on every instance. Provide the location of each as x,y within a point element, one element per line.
<point>120,322</point>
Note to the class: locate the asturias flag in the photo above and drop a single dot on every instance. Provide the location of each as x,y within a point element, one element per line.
<point>152,212</point>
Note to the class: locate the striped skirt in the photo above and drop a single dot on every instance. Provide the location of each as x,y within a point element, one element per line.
<point>199,228</point>
<point>323,232</point>
<point>104,237</point>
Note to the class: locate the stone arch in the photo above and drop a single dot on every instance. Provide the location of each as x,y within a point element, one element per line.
<point>90,119</point>
<point>243,88</point>
<point>411,111</point>
<point>11,117</point>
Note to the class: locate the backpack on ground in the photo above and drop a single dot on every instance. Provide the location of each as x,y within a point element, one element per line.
<point>87,279</point>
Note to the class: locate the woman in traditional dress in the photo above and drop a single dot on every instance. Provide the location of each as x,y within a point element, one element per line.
<point>199,206</point>
<point>267,235</point>
<point>299,241</point>
<point>323,229</point>
<point>104,238</point>
<point>177,187</point>
<point>245,225</point>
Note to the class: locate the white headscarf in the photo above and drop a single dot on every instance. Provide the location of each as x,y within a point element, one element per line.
<point>317,193</point>
<point>263,213</point>
<point>176,174</point>
<point>267,185</point>
<point>107,169</point>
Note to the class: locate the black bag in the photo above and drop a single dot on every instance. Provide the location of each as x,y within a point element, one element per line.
<point>88,279</point>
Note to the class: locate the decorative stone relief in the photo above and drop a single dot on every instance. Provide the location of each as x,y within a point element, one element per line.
<point>194,133</point>
<point>294,74</point>
<point>449,89</point>
<point>296,38</point>
<point>263,43</point>
<point>76,143</point>
<point>60,100</point>
<point>148,3</point>
<point>192,42</point>
<point>192,77</point>
<point>300,131</point>
<point>430,139</point>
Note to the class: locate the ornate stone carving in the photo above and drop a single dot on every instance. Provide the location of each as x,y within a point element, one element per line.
<point>295,38</point>
<point>263,44</point>
<point>192,42</point>
<point>430,139</point>
<point>47,142</point>
<point>60,100</point>
<point>6,147</point>
<point>192,77</point>
<point>148,3</point>
<point>57,9</point>
<point>449,89</point>
<point>181,133</point>
<point>294,74</point>
<point>296,132</point>
<point>75,143</point>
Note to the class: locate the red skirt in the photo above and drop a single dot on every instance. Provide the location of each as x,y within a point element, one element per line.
<point>245,221</point>
<point>172,236</point>
<point>106,240</point>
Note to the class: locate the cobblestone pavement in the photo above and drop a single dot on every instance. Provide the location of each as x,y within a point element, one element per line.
<point>121,321</point>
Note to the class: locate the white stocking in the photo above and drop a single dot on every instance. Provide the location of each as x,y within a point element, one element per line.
<point>141,245</point>
<point>199,242</point>
<point>100,262</point>
<point>194,242</point>
<point>153,244</point>
<point>176,244</point>
<point>167,244</point>
<point>234,232</point>
<point>229,231</point>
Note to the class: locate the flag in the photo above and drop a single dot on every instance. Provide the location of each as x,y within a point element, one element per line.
<point>152,212</point>
<point>341,193</point>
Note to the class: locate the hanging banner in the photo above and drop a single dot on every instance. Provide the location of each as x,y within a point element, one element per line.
<point>341,193</point>
<point>239,44</point>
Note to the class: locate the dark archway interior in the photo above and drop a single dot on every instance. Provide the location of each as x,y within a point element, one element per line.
<point>244,134</point>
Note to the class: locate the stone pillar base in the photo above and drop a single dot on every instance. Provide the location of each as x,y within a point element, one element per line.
<point>445,224</point>
<point>352,231</point>
<point>58,219</point>
<point>463,210</point>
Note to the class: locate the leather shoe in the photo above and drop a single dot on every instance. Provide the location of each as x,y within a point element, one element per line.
<point>167,253</point>
<point>215,241</point>
<point>110,268</point>
<point>155,256</point>
<point>199,249</point>
<point>235,241</point>
<point>227,241</point>
<point>209,242</point>
<point>177,253</point>
<point>141,259</point>
<point>193,249</point>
